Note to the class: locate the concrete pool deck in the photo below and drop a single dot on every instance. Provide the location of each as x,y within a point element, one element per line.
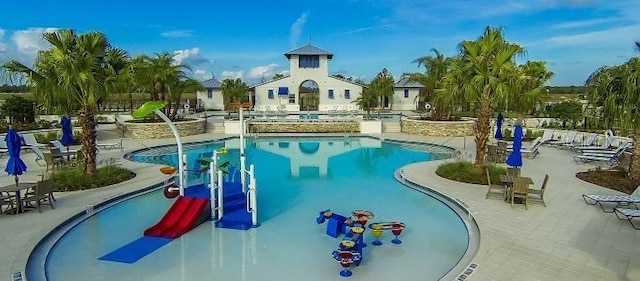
<point>567,240</point>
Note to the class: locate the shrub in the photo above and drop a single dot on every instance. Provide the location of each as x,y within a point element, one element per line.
<point>464,171</point>
<point>74,178</point>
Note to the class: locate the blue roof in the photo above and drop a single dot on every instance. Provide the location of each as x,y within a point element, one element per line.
<point>212,83</point>
<point>308,50</point>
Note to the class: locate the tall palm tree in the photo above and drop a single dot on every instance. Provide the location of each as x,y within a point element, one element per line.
<point>155,74</point>
<point>188,85</point>
<point>76,74</point>
<point>435,69</point>
<point>367,100</point>
<point>617,92</point>
<point>489,66</point>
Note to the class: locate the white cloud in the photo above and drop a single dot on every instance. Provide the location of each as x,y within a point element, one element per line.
<point>189,56</point>
<point>177,33</point>
<point>30,41</point>
<point>263,71</point>
<point>201,74</point>
<point>296,29</point>
<point>227,74</point>
<point>613,36</point>
<point>583,23</point>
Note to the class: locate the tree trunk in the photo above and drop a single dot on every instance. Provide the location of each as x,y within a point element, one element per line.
<point>88,140</point>
<point>634,163</point>
<point>483,127</point>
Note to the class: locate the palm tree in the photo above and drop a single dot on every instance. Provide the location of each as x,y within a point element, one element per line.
<point>617,92</point>
<point>528,92</point>
<point>76,73</point>
<point>234,90</point>
<point>188,85</point>
<point>489,66</point>
<point>382,85</point>
<point>435,69</point>
<point>367,100</point>
<point>155,74</point>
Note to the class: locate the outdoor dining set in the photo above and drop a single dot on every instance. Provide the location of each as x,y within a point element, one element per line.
<point>515,188</point>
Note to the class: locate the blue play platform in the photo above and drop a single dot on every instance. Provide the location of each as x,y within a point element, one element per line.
<point>136,250</point>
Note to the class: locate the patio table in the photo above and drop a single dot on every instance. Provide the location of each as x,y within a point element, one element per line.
<point>17,190</point>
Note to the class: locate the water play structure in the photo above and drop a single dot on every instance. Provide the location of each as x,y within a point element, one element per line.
<point>353,228</point>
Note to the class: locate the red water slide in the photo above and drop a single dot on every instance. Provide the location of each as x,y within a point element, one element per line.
<point>184,215</point>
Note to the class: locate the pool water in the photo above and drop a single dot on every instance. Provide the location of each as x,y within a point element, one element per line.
<point>296,179</point>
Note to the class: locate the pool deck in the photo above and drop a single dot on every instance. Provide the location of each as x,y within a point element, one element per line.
<point>567,240</point>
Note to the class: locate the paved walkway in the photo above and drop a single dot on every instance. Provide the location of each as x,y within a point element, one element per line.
<point>567,240</point>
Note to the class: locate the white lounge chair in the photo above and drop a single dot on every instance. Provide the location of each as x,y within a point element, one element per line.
<point>619,200</point>
<point>600,152</point>
<point>587,141</point>
<point>532,150</point>
<point>547,136</point>
<point>57,144</point>
<point>30,140</point>
<point>608,141</point>
<point>568,139</point>
<point>109,145</point>
<point>628,214</point>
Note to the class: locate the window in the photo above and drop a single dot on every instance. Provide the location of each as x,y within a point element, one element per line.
<point>347,94</point>
<point>210,93</point>
<point>309,61</point>
<point>292,99</point>
<point>406,93</point>
<point>270,94</point>
<point>330,93</point>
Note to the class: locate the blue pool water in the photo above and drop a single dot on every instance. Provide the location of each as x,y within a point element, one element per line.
<point>296,178</point>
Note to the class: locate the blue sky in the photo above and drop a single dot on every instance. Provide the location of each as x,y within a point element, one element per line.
<point>246,39</point>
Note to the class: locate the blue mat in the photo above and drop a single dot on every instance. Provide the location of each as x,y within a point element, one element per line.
<point>136,250</point>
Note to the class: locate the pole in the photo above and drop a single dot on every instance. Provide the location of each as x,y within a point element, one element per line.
<point>213,183</point>
<point>242,157</point>
<point>174,130</point>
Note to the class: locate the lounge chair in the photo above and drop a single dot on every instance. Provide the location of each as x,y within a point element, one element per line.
<point>628,214</point>
<point>568,139</point>
<point>532,150</point>
<point>57,144</point>
<point>109,145</point>
<point>494,187</point>
<point>30,140</point>
<point>587,141</point>
<point>610,158</point>
<point>602,152</point>
<point>608,141</point>
<point>539,193</point>
<point>619,200</point>
<point>547,136</point>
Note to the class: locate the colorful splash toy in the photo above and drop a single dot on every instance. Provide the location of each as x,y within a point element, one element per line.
<point>379,227</point>
<point>349,250</point>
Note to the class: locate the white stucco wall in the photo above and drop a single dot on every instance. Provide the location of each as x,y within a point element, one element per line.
<point>402,103</point>
<point>215,102</point>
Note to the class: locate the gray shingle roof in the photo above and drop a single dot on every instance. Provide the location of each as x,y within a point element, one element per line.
<point>408,84</point>
<point>212,83</point>
<point>308,50</point>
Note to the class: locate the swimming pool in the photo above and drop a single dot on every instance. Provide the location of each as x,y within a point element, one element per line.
<point>297,178</point>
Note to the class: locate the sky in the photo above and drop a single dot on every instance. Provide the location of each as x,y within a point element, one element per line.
<point>247,39</point>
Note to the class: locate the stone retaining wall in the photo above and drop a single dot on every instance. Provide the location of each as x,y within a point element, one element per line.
<point>304,127</point>
<point>162,130</point>
<point>437,128</point>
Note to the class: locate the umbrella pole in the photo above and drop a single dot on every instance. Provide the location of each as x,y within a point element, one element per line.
<point>15,178</point>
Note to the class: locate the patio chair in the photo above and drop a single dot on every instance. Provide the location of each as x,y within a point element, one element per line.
<point>3,148</point>
<point>7,199</point>
<point>619,200</point>
<point>30,140</point>
<point>628,214</point>
<point>42,195</point>
<point>513,171</point>
<point>520,190</point>
<point>539,193</point>
<point>494,187</point>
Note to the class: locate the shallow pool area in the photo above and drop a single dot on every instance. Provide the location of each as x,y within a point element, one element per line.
<point>297,178</point>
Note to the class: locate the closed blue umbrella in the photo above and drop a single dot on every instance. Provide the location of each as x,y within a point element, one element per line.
<point>515,158</point>
<point>15,165</point>
<point>499,127</point>
<point>67,131</point>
